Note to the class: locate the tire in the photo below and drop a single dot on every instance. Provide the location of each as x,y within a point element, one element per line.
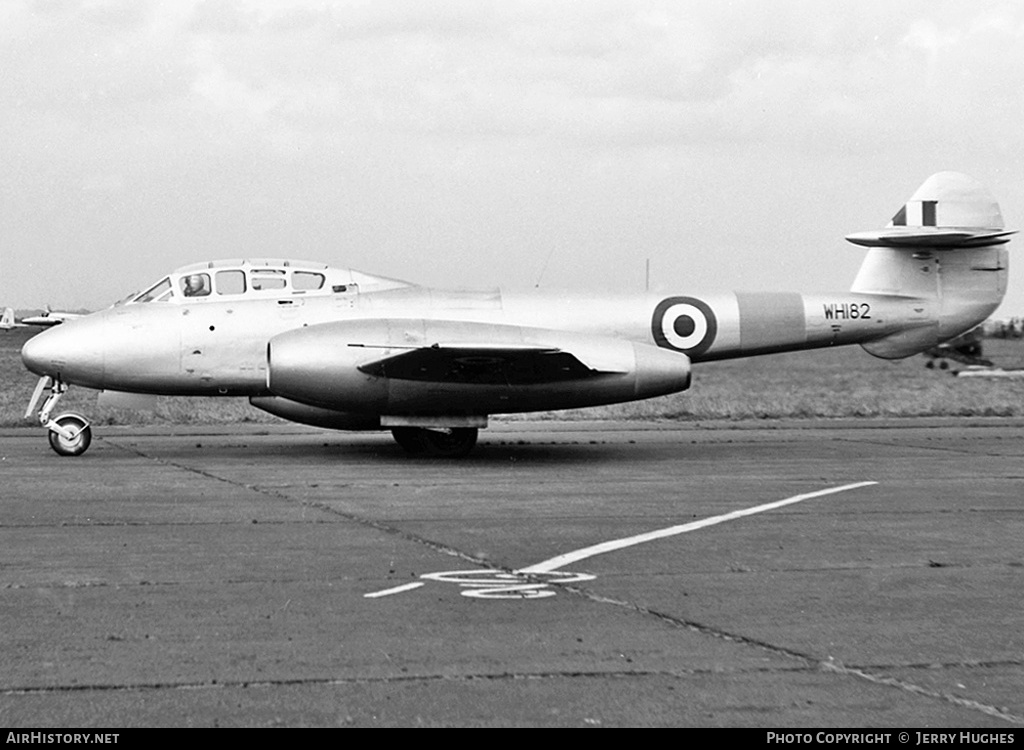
<point>410,439</point>
<point>78,444</point>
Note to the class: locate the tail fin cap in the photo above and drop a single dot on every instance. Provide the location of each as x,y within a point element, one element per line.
<point>949,211</point>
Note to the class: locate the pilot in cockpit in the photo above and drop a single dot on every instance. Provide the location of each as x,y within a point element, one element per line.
<point>195,285</point>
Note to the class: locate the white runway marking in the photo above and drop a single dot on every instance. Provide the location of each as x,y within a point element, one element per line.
<point>497,584</point>
<point>599,549</point>
<point>395,590</point>
<point>524,583</point>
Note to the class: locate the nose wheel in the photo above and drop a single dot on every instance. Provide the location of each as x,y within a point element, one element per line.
<point>70,434</point>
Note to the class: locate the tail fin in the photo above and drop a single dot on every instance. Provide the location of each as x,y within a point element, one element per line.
<point>944,247</point>
<point>7,320</point>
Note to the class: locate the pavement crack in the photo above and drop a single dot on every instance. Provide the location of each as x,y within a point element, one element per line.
<point>918,446</point>
<point>809,661</point>
<point>910,687</point>
<point>619,674</point>
<point>805,660</point>
<point>381,680</point>
<point>967,664</point>
<point>323,508</point>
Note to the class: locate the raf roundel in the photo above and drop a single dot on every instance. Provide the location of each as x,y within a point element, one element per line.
<point>685,324</point>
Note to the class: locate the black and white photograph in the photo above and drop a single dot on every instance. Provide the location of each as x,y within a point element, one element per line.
<point>563,364</point>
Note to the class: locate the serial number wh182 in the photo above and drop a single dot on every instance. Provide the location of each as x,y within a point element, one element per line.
<point>847,311</point>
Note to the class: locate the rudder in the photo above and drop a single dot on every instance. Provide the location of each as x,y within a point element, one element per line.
<point>945,248</point>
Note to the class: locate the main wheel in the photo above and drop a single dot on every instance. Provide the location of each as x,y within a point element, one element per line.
<point>453,442</point>
<point>409,438</point>
<point>76,445</point>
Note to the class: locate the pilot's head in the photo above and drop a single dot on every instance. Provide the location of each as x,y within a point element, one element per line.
<point>194,284</point>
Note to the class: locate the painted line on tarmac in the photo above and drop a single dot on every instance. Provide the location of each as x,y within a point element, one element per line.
<point>529,583</point>
<point>599,549</point>
<point>395,590</point>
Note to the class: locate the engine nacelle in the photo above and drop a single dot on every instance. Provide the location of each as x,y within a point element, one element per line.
<point>433,367</point>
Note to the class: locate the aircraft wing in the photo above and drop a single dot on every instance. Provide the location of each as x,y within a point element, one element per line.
<point>482,364</point>
<point>400,366</point>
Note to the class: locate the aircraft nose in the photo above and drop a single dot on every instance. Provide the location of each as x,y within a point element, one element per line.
<point>41,352</point>
<point>71,351</point>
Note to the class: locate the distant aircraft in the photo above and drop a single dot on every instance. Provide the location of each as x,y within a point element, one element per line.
<point>7,321</point>
<point>50,318</point>
<point>968,348</point>
<point>46,319</point>
<point>341,349</point>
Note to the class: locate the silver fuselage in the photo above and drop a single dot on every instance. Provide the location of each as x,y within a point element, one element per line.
<point>219,347</point>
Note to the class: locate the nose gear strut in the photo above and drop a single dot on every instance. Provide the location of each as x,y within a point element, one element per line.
<point>70,434</point>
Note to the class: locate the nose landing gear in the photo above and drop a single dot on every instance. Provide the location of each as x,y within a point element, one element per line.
<point>70,434</point>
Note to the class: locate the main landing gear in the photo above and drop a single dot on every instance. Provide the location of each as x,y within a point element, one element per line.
<point>449,442</point>
<point>70,434</point>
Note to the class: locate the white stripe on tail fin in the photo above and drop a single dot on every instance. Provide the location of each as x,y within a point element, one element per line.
<point>949,210</point>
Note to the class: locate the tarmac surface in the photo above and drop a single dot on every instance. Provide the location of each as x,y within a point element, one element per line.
<point>284,576</point>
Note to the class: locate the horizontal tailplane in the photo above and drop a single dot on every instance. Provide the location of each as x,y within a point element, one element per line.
<point>945,250</point>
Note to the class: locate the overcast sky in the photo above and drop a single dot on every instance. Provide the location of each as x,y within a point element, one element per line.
<point>479,143</point>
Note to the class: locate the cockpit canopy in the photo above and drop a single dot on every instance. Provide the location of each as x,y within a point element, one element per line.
<point>258,279</point>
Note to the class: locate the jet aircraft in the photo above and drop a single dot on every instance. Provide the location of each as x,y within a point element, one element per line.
<point>342,349</point>
<point>8,321</point>
<point>50,318</point>
<point>46,319</point>
<point>968,348</point>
